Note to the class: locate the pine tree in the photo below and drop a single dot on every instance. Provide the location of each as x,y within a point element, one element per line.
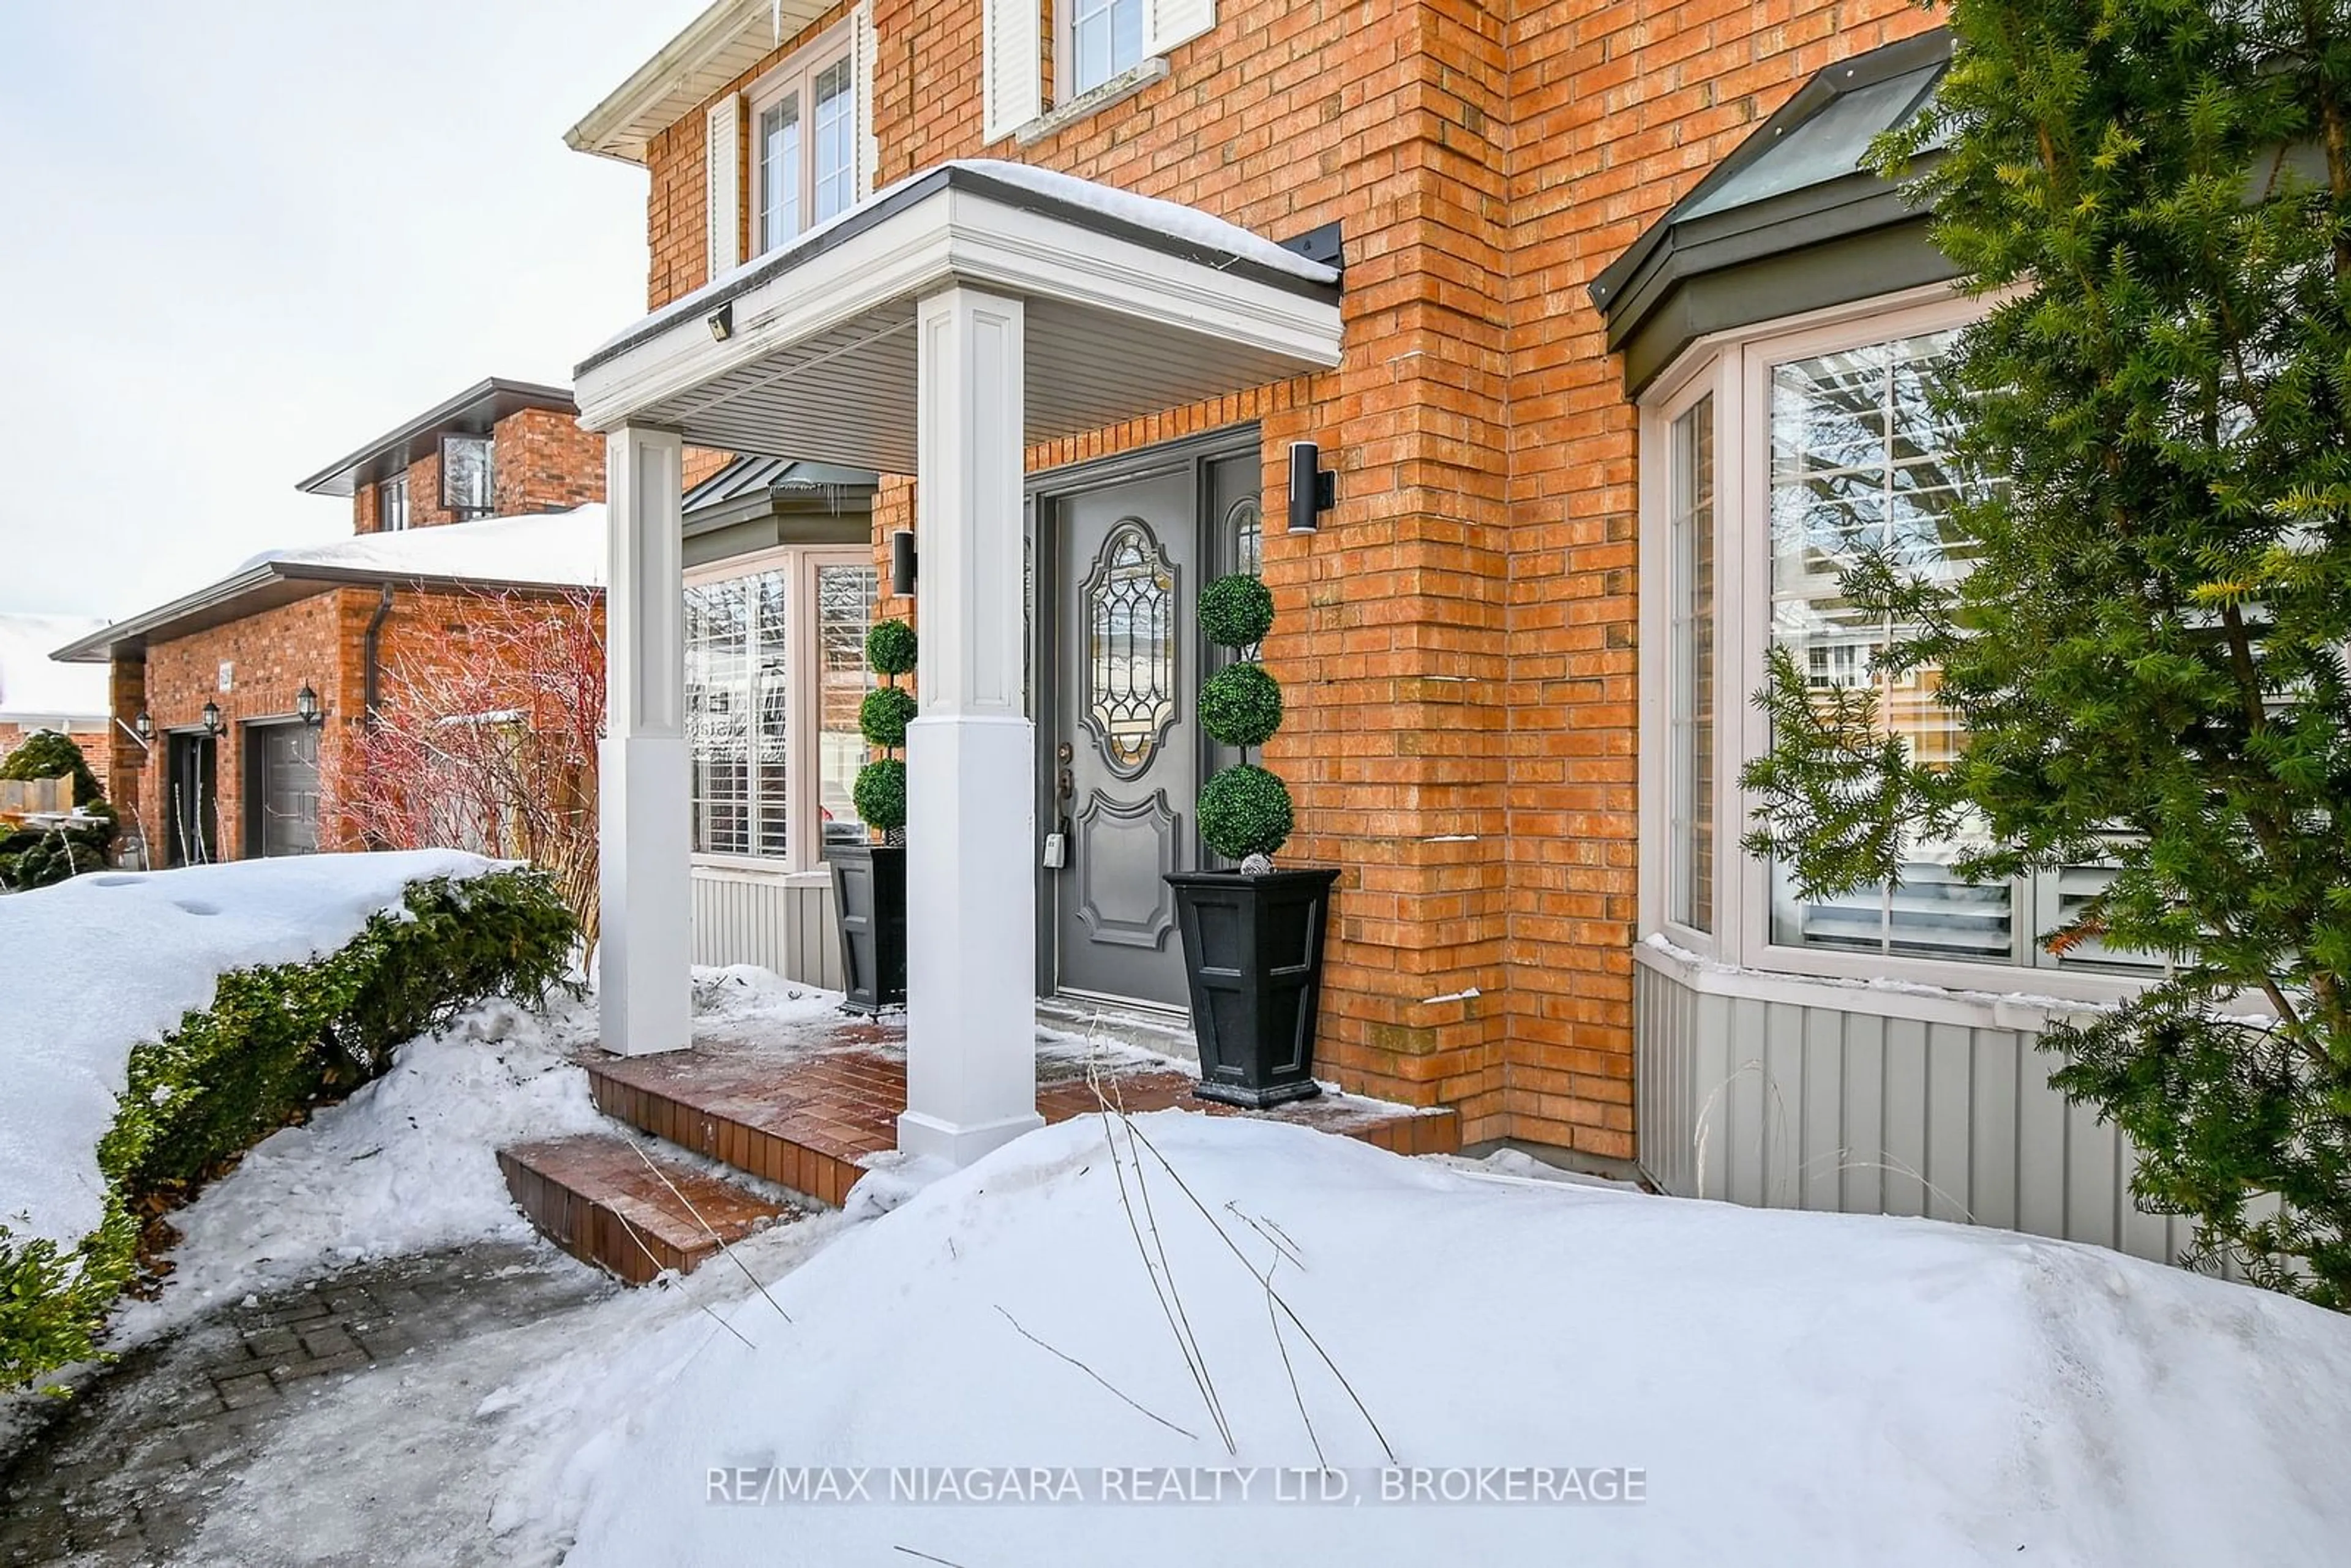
<point>2148,656</point>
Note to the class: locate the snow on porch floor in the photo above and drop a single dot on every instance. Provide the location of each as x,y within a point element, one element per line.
<point>813,1102</point>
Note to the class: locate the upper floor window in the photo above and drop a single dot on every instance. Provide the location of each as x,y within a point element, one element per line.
<point>1105,37</point>
<point>804,142</point>
<point>466,477</point>
<point>1093,43</point>
<point>391,504</point>
<point>1769,468</point>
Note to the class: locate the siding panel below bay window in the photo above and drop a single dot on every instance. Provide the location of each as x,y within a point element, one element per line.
<point>1784,1104</point>
<point>779,921</point>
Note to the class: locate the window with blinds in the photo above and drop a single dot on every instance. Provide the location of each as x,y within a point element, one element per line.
<point>1859,463</point>
<point>775,672</point>
<point>1690,762</point>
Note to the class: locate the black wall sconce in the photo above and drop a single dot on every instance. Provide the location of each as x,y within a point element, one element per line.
<point>143,726</point>
<point>721,322</point>
<point>307,708</point>
<point>902,561</point>
<point>1313,490</point>
<point>212,719</point>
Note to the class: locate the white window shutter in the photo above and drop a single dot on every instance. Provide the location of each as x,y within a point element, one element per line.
<point>1167,23</point>
<point>723,173</point>
<point>1013,63</point>
<point>869,151</point>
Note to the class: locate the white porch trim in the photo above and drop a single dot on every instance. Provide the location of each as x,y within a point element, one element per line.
<point>644,973</point>
<point>940,328</point>
<point>971,936</point>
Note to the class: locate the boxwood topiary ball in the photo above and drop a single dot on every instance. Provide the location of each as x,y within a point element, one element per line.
<point>1236,611</point>
<point>1241,706</point>
<point>1245,811</point>
<point>880,794</point>
<point>890,648</point>
<point>883,716</point>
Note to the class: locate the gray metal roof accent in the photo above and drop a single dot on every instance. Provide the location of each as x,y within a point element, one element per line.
<point>1796,180</point>
<point>760,477</point>
<point>910,193</point>
<point>472,412</point>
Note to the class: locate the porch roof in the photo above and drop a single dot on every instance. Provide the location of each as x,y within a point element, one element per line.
<point>1133,305</point>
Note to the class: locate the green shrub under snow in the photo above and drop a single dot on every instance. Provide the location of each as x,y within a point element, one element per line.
<point>277,1039</point>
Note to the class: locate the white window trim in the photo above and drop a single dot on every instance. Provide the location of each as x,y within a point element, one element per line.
<point>1735,368</point>
<point>803,840</point>
<point>383,487</point>
<point>797,71</point>
<point>1065,51</point>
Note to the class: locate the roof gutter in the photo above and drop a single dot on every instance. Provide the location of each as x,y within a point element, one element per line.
<point>370,658</point>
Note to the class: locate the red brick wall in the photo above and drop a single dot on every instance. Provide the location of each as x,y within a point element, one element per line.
<point>319,642</point>
<point>543,462</point>
<point>313,641</point>
<point>1457,642</point>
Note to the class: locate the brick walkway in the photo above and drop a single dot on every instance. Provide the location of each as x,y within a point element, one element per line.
<point>126,1472</point>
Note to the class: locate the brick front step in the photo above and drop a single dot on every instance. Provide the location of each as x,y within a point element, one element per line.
<point>593,1195</point>
<point>809,1121</point>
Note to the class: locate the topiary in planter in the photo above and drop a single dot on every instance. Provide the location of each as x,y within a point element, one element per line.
<point>880,792</point>
<point>1245,811</point>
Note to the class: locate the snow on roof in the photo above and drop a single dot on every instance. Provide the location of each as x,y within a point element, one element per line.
<point>558,548</point>
<point>1189,224</point>
<point>33,685</point>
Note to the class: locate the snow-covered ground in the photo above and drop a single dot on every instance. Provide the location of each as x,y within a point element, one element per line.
<point>1775,1386</point>
<point>91,967</point>
<point>1792,1387</point>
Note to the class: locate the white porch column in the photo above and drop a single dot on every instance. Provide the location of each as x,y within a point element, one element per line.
<point>644,979</point>
<point>971,888</point>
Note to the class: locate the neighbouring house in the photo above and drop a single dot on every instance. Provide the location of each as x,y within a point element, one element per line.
<point>1607,345</point>
<point>37,692</point>
<point>495,493</point>
<point>239,701</point>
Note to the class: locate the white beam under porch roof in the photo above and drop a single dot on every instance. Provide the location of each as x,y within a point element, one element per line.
<point>937,328</point>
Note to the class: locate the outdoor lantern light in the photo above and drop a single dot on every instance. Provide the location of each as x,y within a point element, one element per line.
<point>305,706</point>
<point>1313,490</point>
<point>722,323</point>
<point>212,719</point>
<point>902,561</point>
<point>143,726</point>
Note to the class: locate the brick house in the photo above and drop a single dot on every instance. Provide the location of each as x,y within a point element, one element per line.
<point>39,693</point>
<point>1602,336</point>
<point>238,702</point>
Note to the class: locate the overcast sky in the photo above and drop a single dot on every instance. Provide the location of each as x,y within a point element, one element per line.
<point>244,236</point>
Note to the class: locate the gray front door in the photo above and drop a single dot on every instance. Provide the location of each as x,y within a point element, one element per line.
<point>1121,756</point>
<point>285,777</point>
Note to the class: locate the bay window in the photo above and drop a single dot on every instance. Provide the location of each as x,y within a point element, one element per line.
<point>1771,464</point>
<point>775,671</point>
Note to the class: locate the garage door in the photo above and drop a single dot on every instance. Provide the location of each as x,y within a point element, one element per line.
<point>286,790</point>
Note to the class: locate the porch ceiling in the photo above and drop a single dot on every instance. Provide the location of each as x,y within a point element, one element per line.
<point>1133,307</point>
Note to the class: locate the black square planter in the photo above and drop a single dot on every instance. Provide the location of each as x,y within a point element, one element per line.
<point>1253,955</point>
<point>869,902</point>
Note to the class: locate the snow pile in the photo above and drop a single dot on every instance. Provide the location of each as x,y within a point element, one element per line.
<point>554,549</point>
<point>90,967</point>
<point>1791,1387</point>
<point>33,685</point>
<point>404,1165</point>
<point>1173,219</point>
